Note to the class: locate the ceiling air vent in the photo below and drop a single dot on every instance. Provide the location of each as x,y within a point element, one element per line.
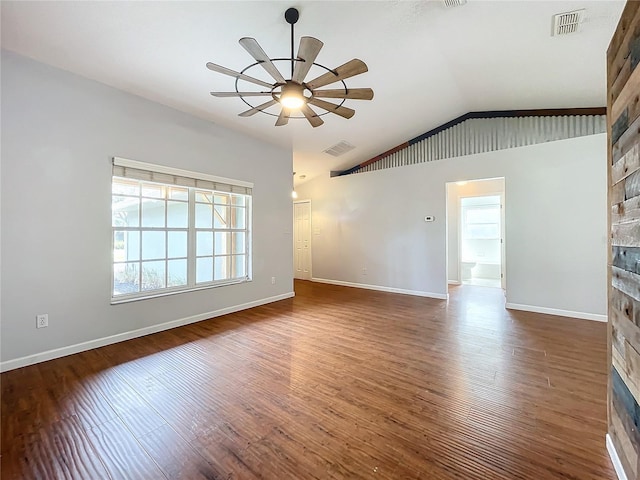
<point>454,3</point>
<point>339,148</point>
<point>566,23</point>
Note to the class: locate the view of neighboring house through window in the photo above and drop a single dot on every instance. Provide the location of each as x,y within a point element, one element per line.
<point>169,237</point>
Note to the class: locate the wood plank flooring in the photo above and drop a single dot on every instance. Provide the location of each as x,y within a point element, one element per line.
<point>336,383</point>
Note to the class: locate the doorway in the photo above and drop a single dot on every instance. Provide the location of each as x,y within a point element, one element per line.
<point>480,241</point>
<point>302,240</point>
<point>475,233</point>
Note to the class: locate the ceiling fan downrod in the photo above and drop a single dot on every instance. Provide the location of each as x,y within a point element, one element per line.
<point>291,16</point>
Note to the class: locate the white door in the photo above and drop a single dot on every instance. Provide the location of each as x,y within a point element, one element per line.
<point>302,240</point>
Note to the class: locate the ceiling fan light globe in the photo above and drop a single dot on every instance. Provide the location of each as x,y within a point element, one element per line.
<point>292,101</point>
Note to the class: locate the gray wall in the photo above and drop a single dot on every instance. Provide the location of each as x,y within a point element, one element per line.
<point>58,134</point>
<point>556,224</point>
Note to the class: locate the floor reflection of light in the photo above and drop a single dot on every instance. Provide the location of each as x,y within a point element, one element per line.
<point>480,336</point>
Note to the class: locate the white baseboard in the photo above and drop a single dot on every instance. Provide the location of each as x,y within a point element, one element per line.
<point>617,465</point>
<point>121,337</point>
<point>555,311</point>
<point>454,282</point>
<point>417,293</point>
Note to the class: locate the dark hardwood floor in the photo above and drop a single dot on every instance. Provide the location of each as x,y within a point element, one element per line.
<point>336,383</point>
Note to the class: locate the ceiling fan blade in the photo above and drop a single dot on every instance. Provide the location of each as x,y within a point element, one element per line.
<point>240,94</point>
<point>256,51</point>
<point>352,93</point>
<point>307,51</point>
<point>349,69</point>
<point>233,73</point>
<point>283,118</point>
<point>312,116</point>
<point>332,107</point>
<point>259,108</point>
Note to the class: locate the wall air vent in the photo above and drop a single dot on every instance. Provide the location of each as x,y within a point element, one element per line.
<point>339,148</point>
<point>566,23</point>
<point>454,3</point>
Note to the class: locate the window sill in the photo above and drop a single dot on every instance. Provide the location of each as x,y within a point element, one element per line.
<point>157,294</point>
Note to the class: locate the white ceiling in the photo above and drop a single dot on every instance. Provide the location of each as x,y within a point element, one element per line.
<point>427,63</point>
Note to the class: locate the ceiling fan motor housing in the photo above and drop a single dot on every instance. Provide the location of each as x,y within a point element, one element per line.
<point>291,15</point>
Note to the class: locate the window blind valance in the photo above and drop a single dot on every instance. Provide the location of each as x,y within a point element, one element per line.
<point>175,176</point>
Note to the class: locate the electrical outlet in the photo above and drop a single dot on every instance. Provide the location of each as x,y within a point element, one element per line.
<point>273,280</point>
<point>364,271</point>
<point>42,320</point>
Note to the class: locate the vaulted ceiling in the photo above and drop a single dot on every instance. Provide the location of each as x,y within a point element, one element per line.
<point>427,63</point>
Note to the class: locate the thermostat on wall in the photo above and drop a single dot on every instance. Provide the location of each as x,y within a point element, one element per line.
<point>429,218</point>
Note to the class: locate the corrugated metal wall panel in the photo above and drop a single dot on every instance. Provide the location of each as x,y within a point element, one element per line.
<point>480,135</point>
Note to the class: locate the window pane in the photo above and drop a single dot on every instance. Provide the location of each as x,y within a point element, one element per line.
<point>204,269</point>
<point>125,187</point>
<point>237,265</point>
<point>221,217</point>
<point>221,198</point>
<point>204,197</point>
<point>177,214</point>
<point>177,244</point>
<point>203,216</point>
<point>221,270</point>
<point>153,245</point>
<point>222,243</point>
<point>483,231</point>
<point>238,245</point>
<point>126,278</point>
<point>483,215</point>
<point>237,217</point>
<point>124,211</point>
<point>204,243</point>
<point>177,193</point>
<point>119,247</point>
<point>126,246</point>
<point>133,246</point>
<point>153,190</point>
<point>153,213</point>
<point>238,200</point>
<point>153,275</point>
<point>177,273</point>
<point>480,201</point>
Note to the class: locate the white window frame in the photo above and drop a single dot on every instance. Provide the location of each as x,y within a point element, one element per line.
<point>193,181</point>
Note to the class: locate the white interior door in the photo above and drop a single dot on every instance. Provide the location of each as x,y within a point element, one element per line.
<point>302,240</point>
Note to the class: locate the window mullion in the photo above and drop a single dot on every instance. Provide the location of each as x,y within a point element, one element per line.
<point>215,256</point>
<point>140,241</point>
<point>166,237</point>
<point>191,240</point>
<point>248,242</point>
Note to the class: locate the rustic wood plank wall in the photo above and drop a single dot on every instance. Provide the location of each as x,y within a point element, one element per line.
<point>623,110</point>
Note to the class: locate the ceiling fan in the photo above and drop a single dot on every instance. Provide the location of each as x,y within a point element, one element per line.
<point>294,94</point>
